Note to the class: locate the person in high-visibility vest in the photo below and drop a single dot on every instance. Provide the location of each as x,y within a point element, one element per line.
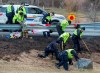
<point>18,18</point>
<point>22,8</point>
<point>10,13</point>
<point>63,38</point>
<point>76,37</point>
<point>47,18</point>
<point>62,26</point>
<point>65,57</point>
<point>50,49</point>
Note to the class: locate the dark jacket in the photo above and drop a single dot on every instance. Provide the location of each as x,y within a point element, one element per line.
<point>77,36</point>
<point>45,20</point>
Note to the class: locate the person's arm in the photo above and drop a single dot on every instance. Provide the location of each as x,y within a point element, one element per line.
<point>6,11</point>
<point>75,55</point>
<point>13,11</point>
<point>44,17</point>
<point>55,46</point>
<point>14,18</point>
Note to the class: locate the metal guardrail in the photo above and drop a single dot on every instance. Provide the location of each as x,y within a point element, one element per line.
<point>92,29</point>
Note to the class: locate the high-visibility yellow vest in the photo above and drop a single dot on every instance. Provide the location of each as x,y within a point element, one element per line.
<point>70,56</point>
<point>24,10</point>
<point>49,18</point>
<point>9,9</point>
<point>65,36</point>
<point>18,17</point>
<point>75,32</point>
<point>64,24</point>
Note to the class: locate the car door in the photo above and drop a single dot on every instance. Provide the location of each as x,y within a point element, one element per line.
<point>34,15</point>
<point>3,18</point>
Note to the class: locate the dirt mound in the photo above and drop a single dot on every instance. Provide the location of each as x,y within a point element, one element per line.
<point>21,56</point>
<point>18,49</point>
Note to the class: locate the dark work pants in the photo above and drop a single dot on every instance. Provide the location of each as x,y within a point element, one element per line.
<point>70,61</point>
<point>59,29</point>
<point>63,60</point>
<point>76,45</point>
<point>62,44</point>
<point>10,17</point>
<point>52,51</point>
<point>46,34</point>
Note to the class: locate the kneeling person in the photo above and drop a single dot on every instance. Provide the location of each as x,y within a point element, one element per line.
<point>51,48</point>
<point>18,18</point>
<point>65,57</point>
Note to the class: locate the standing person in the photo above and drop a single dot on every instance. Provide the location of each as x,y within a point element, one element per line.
<point>66,57</point>
<point>62,26</point>
<point>47,18</point>
<point>51,48</point>
<point>10,13</point>
<point>22,8</point>
<point>76,37</point>
<point>63,38</point>
<point>19,19</point>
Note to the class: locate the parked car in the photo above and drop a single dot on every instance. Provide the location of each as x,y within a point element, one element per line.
<point>34,14</point>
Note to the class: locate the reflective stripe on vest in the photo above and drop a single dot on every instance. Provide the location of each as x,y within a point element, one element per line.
<point>9,9</point>
<point>64,24</point>
<point>65,36</point>
<point>70,56</point>
<point>75,32</point>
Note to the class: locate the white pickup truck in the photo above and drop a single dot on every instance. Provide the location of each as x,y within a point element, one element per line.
<point>34,14</point>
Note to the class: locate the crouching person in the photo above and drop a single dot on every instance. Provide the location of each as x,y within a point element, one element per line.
<point>62,40</point>
<point>65,58</point>
<point>50,49</point>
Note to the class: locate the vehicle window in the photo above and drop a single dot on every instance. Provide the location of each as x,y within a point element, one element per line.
<point>34,11</point>
<point>2,9</point>
<point>39,11</point>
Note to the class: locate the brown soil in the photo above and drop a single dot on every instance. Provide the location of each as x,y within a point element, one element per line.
<point>24,52</point>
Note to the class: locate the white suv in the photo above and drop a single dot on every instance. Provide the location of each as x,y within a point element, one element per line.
<point>34,14</point>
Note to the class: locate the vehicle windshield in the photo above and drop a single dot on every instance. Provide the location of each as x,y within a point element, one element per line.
<point>31,10</point>
<point>3,9</point>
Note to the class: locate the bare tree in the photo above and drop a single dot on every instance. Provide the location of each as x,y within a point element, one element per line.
<point>0,1</point>
<point>94,4</point>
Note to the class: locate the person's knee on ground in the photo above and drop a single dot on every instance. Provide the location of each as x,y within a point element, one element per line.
<point>63,60</point>
<point>65,65</point>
